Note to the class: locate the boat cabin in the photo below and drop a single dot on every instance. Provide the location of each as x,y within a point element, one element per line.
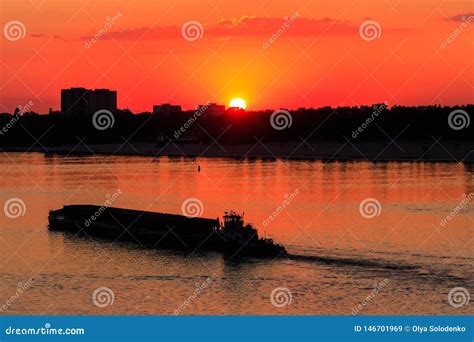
<point>235,230</point>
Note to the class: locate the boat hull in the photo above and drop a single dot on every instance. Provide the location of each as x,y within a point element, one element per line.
<point>154,230</point>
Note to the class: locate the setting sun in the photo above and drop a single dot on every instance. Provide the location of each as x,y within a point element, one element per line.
<point>238,103</point>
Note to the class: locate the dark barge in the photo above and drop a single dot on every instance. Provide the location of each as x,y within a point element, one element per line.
<point>159,230</point>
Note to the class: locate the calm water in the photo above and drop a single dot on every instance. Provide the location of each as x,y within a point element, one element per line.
<point>405,251</point>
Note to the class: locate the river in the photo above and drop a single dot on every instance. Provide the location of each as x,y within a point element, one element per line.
<point>364,238</point>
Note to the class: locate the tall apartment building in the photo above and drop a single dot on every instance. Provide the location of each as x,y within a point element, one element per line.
<point>82,101</point>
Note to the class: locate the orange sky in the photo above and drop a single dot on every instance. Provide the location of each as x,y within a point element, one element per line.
<point>319,59</point>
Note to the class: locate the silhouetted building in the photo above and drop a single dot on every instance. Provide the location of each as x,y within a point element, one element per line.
<point>87,101</point>
<point>102,99</point>
<point>211,108</point>
<point>166,109</point>
<point>74,100</point>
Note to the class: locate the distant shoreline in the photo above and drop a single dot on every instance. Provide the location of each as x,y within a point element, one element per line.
<point>326,151</point>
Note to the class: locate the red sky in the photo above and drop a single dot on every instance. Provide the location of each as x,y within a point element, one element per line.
<point>318,59</point>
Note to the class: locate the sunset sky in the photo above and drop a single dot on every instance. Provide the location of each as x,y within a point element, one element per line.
<point>319,59</point>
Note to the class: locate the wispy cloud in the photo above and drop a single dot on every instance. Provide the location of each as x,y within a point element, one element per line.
<point>243,26</point>
<point>44,35</point>
<point>462,17</point>
<point>38,35</point>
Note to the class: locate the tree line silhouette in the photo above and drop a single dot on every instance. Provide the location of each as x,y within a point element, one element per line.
<point>358,124</point>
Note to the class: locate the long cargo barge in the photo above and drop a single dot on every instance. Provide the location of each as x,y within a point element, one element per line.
<point>160,230</point>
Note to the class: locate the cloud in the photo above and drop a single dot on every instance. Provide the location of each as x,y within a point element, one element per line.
<point>460,18</point>
<point>293,25</point>
<point>38,35</point>
<point>44,35</point>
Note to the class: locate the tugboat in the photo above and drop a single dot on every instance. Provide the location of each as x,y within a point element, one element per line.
<point>160,230</point>
<point>244,239</point>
